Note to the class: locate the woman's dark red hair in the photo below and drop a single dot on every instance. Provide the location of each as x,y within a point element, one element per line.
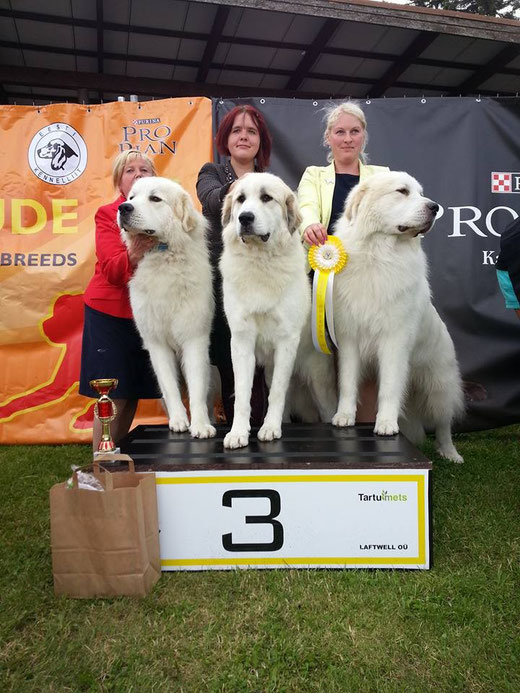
<point>225,127</point>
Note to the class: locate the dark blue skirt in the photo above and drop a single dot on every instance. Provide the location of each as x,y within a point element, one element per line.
<point>112,348</point>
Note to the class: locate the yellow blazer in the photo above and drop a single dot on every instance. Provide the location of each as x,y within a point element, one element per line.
<point>316,189</point>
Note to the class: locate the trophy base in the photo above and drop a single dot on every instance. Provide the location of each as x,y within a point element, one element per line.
<point>107,446</point>
<point>115,451</point>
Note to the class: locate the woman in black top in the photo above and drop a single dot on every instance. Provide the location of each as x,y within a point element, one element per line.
<point>243,136</point>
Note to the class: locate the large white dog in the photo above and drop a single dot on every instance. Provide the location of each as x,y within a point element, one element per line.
<point>267,303</point>
<point>171,295</point>
<point>383,316</point>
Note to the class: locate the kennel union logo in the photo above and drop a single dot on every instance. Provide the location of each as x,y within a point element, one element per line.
<point>505,182</point>
<point>58,154</point>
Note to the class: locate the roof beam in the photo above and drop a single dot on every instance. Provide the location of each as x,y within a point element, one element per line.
<point>387,14</point>
<point>216,91</point>
<point>176,61</point>
<point>212,44</point>
<point>505,56</point>
<point>428,62</point>
<point>414,50</point>
<point>36,77</point>
<point>32,77</point>
<point>150,87</point>
<point>327,30</point>
<point>93,24</point>
<point>508,33</point>
<point>17,96</point>
<point>403,16</point>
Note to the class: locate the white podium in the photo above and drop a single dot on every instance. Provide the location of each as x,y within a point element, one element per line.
<point>320,497</point>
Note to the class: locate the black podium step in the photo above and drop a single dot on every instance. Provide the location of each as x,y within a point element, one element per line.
<point>309,446</point>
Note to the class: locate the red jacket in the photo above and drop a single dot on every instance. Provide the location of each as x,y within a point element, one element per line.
<point>107,291</point>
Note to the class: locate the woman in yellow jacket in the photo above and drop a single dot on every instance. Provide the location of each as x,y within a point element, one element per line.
<point>323,189</point>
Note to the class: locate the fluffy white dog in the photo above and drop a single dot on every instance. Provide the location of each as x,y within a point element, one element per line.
<point>383,316</point>
<point>267,303</point>
<point>171,295</point>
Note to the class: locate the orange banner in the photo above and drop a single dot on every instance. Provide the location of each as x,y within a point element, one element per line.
<point>55,171</point>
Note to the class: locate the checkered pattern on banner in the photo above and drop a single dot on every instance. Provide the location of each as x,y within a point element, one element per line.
<point>500,182</point>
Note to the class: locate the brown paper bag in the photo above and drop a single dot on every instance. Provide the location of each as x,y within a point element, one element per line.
<point>106,543</point>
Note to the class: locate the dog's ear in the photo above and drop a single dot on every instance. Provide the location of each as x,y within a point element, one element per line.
<point>294,218</point>
<point>226,209</point>
<point>186,212</point>
<point>354,200</point>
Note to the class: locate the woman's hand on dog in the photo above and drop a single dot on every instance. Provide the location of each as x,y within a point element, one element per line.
<point>140,245</point>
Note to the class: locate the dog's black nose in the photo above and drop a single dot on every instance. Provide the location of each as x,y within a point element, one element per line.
<point>126,208</point>
<point>246,218</point>
<point>434,207</point>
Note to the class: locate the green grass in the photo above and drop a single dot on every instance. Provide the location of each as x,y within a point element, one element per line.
<point>453,628</point>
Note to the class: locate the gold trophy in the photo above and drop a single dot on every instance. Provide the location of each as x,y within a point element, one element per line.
<point>105,410</point>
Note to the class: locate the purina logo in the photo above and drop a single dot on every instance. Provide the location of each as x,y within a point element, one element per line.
<point>58,154</point>
<point>502,182</point>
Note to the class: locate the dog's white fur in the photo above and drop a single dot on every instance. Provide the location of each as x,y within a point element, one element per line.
<point>383,316</point>
<point>267,303</point>
<point>171,295</point>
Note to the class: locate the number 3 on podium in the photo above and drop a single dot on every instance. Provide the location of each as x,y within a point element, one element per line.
<point>274,498</point>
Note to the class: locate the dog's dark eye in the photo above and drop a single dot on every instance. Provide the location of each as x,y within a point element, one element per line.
<point>154,198</point>
<point>403,191</point>
<point>266,198</point>
<point>241,198</point>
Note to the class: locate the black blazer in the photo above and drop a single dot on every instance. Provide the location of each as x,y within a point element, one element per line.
<point>213,183</point>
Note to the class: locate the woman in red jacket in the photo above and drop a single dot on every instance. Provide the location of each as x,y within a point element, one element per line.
<point>111,346</point>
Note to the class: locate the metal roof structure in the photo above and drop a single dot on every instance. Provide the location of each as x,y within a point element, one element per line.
<point>95,50</point>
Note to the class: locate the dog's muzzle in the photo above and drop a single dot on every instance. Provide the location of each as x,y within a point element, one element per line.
<point>433,208</point>
<point>126,210</point>
<point>247,220</point>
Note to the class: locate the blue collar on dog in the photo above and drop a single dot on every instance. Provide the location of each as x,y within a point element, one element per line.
<point>162,247</point>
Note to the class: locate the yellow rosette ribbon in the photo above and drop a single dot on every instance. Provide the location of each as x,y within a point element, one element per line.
<point>326,260</point>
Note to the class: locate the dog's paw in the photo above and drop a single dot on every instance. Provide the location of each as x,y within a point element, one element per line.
<point>451,455</point>
<point>179,424</point>
<point>202,430</point>
<point>268,432</point>
<point>234,440</point>
<point>343,419</point>
<point>386,427</point>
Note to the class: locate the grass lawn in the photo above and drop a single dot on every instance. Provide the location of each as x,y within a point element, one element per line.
<point>453,628</point>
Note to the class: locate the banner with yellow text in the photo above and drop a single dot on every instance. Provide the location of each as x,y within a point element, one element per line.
<point>55,171</point>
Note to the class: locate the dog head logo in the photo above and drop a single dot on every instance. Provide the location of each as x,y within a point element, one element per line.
<point>57,151</point>
<point>58,154</point>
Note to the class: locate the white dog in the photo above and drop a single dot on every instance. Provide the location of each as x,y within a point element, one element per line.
<point>171,295</point>
<point>267,303</point>
<point>383,316</point>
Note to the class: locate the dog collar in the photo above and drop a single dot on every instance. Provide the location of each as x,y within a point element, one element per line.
<point>161,247</point>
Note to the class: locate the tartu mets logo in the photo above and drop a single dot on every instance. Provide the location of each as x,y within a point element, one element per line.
<point>58,154</point>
